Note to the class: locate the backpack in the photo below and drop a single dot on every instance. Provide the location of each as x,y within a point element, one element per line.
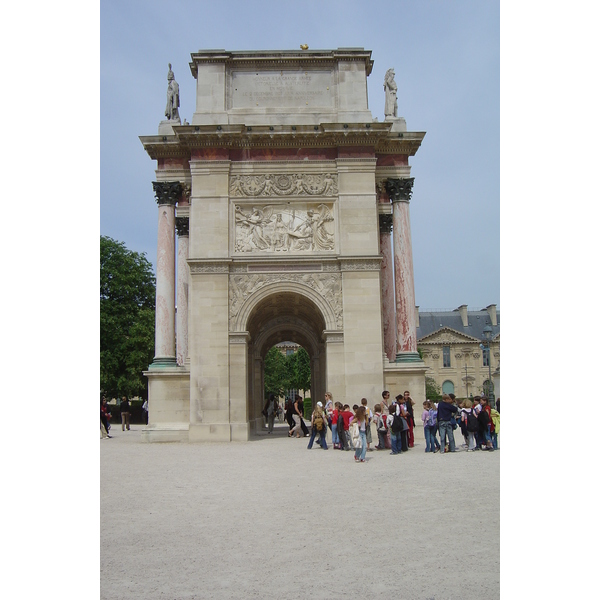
<point>318,421</point>
<point>472,422</point>
<point>432,419</point>
<point>397,425</point>
<point>483,417</point>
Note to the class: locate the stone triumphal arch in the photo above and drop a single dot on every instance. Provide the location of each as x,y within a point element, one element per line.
<point>283,215</point>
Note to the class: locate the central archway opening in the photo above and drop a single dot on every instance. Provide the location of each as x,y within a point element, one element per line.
<point>283,317</point>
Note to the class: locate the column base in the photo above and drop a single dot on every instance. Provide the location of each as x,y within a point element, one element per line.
<point>408,357</point>
<point>160,362</point>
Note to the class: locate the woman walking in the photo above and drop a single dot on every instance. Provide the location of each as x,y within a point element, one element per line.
<point>297,416</point>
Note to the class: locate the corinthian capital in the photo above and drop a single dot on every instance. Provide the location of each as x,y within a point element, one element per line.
<point>167,192</point>
<point>385,223</point>
<point>400,190</point>
<point>182,224</point>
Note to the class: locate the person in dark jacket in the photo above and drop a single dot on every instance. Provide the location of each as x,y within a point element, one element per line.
<point>445,412</point>
<point>125,412</point>
<point>485,422</point>
<point>104,417</point>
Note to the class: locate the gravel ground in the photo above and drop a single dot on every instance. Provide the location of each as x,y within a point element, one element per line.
<point>269,519</point>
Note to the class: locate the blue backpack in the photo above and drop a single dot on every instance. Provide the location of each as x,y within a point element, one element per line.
<point>432,419</point>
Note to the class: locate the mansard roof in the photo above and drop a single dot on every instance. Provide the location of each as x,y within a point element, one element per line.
<point>431,323</point>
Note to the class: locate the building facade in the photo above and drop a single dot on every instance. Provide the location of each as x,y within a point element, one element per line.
<point>454,346</point>
<point>278,204</point>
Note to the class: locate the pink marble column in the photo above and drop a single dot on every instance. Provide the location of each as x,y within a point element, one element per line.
<point>400,191</point>
<point>167,194</point>
<point>182,224</point>
<point>388,297</point>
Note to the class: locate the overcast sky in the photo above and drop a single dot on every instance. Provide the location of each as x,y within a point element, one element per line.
<point>447,61</point>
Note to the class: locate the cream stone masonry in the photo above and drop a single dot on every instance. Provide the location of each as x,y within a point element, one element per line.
<point>281,172</point>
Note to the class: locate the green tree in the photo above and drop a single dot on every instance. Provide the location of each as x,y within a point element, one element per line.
<point>127,296</point>
<point>275,373</point>
<point>432,389</point>
<point>301,370</point>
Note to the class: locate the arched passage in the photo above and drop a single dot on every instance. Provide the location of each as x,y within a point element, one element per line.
<point>279,317</point>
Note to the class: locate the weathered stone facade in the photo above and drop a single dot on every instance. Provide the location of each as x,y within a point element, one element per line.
<point>279,188</point>
<point>450,342</point>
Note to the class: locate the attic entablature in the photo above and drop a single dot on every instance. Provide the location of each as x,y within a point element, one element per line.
<point>252,59</point>
<point>375,138</point>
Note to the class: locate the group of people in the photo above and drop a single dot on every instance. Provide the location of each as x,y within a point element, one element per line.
<point>351,428</point>
<point>125,409</point>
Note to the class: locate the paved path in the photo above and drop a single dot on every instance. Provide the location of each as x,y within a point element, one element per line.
<point>270,519</point>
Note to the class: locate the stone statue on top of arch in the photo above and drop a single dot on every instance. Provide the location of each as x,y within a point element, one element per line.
<point>391,93</point>
<point>172,110</point>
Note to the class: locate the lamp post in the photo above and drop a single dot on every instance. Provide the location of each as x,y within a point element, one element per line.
<point>487,338</point>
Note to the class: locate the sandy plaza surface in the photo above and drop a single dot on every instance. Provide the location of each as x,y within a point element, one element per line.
<point>270,519</point>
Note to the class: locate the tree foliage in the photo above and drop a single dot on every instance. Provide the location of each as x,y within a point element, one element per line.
<point>283,373</point>
<point>127,297</point>
<point>432,389</point>
<point>275,373</point>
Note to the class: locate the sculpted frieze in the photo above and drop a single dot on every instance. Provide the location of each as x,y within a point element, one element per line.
<point>282,228</point>
<point>284,185</point>
<point>327,285</point>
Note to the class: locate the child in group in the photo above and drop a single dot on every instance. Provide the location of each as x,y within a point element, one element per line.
<point>395,437</point>
<point>433,426</point>
<point>429,445</point>
<point>335,438</point>
<point>346,417</point>
<point>369,414</point>
<point>381,428</point>
<point>362,422</point>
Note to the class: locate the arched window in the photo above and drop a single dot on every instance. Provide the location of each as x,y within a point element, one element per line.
<point>447,387</point>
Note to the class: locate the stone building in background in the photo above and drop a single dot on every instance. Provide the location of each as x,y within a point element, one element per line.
<point>451,344</point>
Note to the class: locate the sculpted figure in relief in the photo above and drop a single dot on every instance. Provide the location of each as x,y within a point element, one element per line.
<point>256,231</point>
<point>172,110</point>
<point>391,91</point>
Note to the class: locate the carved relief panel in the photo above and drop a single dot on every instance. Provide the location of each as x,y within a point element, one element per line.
<point>295,212</point>
<point>284,228</point>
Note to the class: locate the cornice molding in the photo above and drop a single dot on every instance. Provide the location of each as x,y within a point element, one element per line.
<point>326,135</point>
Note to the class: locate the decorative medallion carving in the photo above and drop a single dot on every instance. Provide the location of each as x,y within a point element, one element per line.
<point>283,185</point>
<point>400,190</point>
<point>167,192</point>
<point>327,285</point>
<point>283,228</point>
